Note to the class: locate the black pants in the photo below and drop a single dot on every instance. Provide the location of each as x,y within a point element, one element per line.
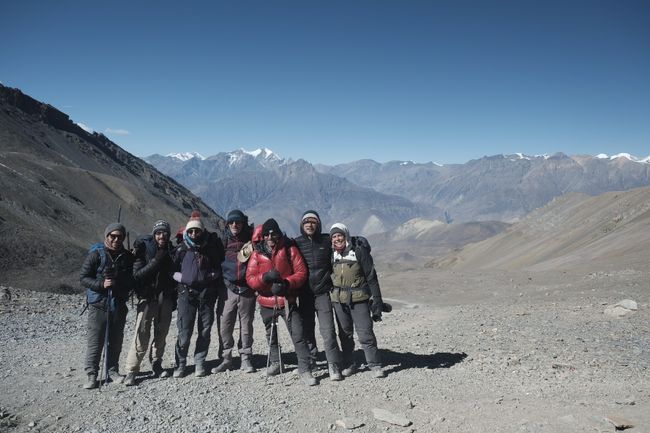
<point>96,332</point>
<point>194,307</point>
<point>321,306</point>
<point>294,326</point>
<point>357,316</point>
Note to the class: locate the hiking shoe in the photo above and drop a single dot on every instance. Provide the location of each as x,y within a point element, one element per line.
<point>350,370</point>
<point>115,376</point>
<point>164,374</point>
<point>129,380</point>
<point>180,371</point>
<point>91,381</point>
<point>273,369</point>
<point>200,371</point>
<point>334,372</point>
<point>308,379</point>
<point>156,368</point>
<point>377,372</point>
<point>225,365</point>
<point>247,366</point>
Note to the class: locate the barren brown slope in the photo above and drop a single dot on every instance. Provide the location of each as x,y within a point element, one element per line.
<point>60,186</point>
<point>610,231</point>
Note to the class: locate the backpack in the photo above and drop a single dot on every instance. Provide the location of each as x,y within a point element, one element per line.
<point>93,297</point>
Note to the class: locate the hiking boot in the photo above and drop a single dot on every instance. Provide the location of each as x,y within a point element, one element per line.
<point>91,381</point>
<point>156,368</point>
<point>129,380</point>
<point>200,371</point>
<point>115,376</point>
<point>377,372</point>
<point>165,373</point>
<point>350,370</point>
<point>247,366</point>
<point>273,369</point>
<point>334,372</point>
<point>225,365</point>
<point>180,371</point>
<point>308,379</point>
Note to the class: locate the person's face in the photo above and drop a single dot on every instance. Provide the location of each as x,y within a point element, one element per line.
<point>236,227</point>
<point>271,239</point>
<point>338,241</point>
<point>115,239</point>
<point>162,238</point>
<point>194,233</point>
<point>309,226</point>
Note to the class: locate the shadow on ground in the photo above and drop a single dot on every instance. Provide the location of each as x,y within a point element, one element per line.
<point>398,361</point>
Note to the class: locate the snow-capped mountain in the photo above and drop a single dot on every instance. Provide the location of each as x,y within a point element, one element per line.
<point>186,156</point>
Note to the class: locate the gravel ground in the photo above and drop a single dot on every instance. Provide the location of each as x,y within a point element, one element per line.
<point>485,352</point>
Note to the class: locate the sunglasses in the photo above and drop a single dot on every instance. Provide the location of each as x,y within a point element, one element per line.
<point>272,235</point>
<point>192,231</point>
<point>111,236</point>
<point>234,223</point>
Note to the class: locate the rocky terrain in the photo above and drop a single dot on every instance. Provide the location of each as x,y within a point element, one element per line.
<point>474,352</point>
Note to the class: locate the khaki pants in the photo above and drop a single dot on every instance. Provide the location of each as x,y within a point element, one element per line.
<point>229,307</point>
<point>158,313</point>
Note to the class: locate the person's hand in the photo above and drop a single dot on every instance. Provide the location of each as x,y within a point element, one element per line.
<point>376,307</point>
<point>108,282</point>
<point>272,276</point>
<point>177,277</point>
<point>280,288</point>
<point>161,254</point>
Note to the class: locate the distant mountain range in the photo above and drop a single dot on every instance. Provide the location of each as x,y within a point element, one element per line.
<point>377,197</point>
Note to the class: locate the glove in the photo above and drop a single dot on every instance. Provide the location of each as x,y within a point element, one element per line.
<point>161,254</point>
<point>177,277</point>
<point>376,307</point>
<point>109,273</point>
<point>272,276</point>
<point>279,289</point>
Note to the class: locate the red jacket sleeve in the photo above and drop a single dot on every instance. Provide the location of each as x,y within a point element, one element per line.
<point>300,272</point>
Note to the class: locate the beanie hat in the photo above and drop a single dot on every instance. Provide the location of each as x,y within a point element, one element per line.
<point>161,226</point>
<point>340,228</point>
<point>195,222</point>
<point>310,214</point>
<point>236,215</point>
<point>270,225</point>
<point>113,227</point>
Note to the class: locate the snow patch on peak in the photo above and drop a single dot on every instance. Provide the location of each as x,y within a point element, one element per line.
<point>186,156</point>
<point>602,156</point>
<point>265,153</point>
<point>624,155</point>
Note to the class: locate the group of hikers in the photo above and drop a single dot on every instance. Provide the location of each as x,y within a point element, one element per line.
<point>326,275</point>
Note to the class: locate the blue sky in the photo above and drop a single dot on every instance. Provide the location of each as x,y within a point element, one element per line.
<point>336,81</point>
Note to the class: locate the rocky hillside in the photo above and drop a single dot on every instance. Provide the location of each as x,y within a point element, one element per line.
<point>60,186</point>
<point>575,230</point>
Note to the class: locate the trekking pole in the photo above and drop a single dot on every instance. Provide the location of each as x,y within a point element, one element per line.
<point>273,329</point>
<point>276,308</point>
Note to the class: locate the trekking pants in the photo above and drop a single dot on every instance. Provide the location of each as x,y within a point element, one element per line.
<point>294,326</point>
<point>150,312</point>
<point>193,307</point>
<point>321,306</point>
<point>96,332</point>
<point>230,306</point>
<point>357,316</point>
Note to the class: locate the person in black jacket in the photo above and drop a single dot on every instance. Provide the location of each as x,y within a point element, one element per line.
<point>356,297</point>
<point>316,248</point>
<point>107,274</point>
<point>156,291</point>
<point>197,269</point>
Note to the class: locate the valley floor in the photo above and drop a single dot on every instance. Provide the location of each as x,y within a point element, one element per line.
<point>479,352</point>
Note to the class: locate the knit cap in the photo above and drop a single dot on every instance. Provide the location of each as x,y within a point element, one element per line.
<point>236,215</point>
<point>161,226</point>
<point>113,227</point>
<point>270,226</point>
<point>340,228</point>
<point>195,222</point>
